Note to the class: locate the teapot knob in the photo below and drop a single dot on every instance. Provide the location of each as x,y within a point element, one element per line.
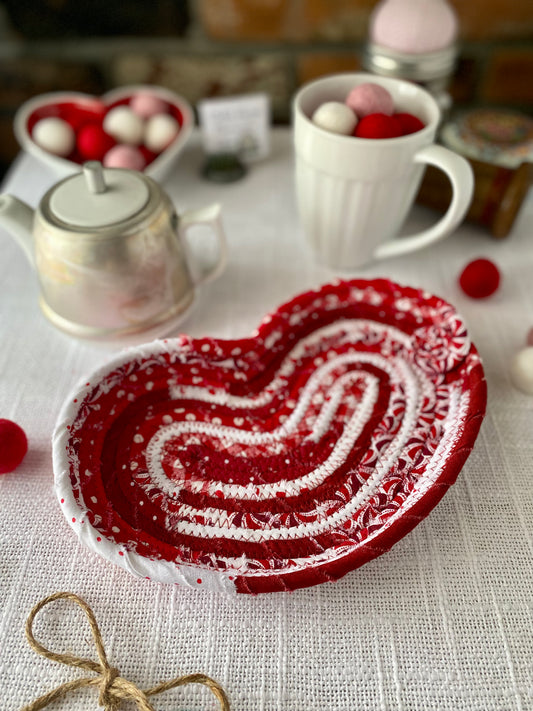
<point>94,175</point>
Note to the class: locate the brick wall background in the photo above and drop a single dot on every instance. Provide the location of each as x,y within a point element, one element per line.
<point>219,47</point>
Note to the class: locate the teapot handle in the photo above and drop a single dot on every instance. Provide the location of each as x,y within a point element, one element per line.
<point>207,216</point>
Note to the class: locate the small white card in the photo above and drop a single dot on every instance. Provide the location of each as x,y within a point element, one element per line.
<point>236,124</point>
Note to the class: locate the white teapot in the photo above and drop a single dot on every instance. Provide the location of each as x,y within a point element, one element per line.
<point>110,253</point>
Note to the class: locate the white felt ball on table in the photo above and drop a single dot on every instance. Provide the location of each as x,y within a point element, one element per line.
<point>54,135</point>
<point>335,117</point>
<point>124,125</point>
<point>160,130</point>
<point>522,370</point>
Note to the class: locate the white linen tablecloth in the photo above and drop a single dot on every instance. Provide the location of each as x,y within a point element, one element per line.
<point>443,621</point>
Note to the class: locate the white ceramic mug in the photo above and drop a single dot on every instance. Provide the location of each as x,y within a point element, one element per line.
<point>354,193</point>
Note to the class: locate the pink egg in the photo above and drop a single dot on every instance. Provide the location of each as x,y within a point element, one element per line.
<point>369,98</point>
<point>413,26</point>
<point>147,104</point>
<point>123,156</point>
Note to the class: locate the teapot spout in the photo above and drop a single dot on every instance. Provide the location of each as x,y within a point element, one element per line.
<point>17,218</point>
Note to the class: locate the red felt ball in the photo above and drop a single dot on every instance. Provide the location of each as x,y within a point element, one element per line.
<point>148,155</point>
<point>480,278</point>
<point>377,126</point>
<point>93,142</point>
<point>409,123</point>
<point>13,446</point>
<point>80,114</point>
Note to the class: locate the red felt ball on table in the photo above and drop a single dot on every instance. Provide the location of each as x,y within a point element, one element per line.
<point>377,126</point>
<point>93,142</point>
<point>480,278</point>
<point>13,446</point>
<point>409,123</point>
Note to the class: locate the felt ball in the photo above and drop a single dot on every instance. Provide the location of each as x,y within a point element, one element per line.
<point>335,117</point>
<point>413,26</point>
<point>123,156</point>
<point>378,126</point>
<point>13,446</point>
<point>79,114</point>
<point>160,131</point>
<point>370,98</point>
<point>124,125</point>
<point>54,135</point>
<point>148,156</point>
<point>521,370</point>
<point>480,278</point>
<point>93,142</point>
<point>409,123</point>
<point>146,104</point>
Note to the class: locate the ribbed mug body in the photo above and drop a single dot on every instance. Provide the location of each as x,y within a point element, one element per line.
<point>354,193</point>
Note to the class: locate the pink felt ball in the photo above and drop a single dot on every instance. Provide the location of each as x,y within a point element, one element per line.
<point>93,142</point>
<point>369,98</point>
<point>147,104</point>
<point>122,156</point>
<point>480,278</point>
<point>13,446</point>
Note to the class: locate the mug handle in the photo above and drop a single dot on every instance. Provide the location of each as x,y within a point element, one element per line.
<point>207,216</point>
<point>461,177</point>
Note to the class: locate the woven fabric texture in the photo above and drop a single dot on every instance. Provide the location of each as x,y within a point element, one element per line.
<point>442,621</point>
<point>279,461</point>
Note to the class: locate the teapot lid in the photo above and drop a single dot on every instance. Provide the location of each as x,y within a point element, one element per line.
<point>99,197</point>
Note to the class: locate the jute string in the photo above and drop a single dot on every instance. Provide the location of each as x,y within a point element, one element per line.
<point>113,688</point>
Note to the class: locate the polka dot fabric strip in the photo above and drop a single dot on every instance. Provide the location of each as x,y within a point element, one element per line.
<point>278,461</point>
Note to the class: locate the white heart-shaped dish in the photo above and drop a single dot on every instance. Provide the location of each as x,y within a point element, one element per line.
<point>39,106</point>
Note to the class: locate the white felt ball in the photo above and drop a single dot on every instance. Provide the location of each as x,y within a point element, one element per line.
<point>160,130</point>
<point>522,370</point>
<point>54,135</point>
<point>336,117</point>
<point>124,125</point>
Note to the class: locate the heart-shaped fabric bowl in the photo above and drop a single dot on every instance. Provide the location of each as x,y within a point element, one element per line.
<point>86,107</point>
<point>277,461</point>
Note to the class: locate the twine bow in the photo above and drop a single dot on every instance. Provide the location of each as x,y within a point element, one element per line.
<point>112,687</point>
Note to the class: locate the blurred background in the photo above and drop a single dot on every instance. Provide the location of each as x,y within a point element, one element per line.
<point>206,48</point>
